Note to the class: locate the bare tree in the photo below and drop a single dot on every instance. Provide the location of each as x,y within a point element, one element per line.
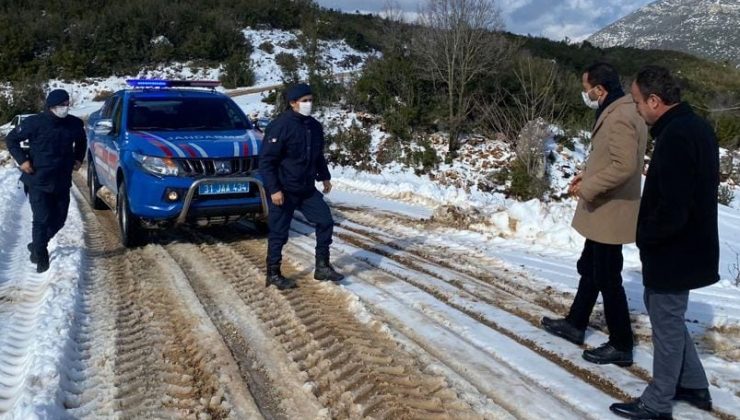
<point>537,97</point>
<point>459,43</point>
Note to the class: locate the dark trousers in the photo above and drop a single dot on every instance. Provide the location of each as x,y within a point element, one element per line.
<point>675,361</point>
<point>49,214</point>
<point>315,210</point>
<point>600,267</point>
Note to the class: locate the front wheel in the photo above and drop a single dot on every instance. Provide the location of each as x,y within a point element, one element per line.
<point>131,232</point>
<point>94,186</point>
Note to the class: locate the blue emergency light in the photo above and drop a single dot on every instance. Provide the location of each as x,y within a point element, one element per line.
<point>162,83</point>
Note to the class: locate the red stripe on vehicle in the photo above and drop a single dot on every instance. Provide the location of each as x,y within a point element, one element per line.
<point>245,147</point>
<point>191,151</point>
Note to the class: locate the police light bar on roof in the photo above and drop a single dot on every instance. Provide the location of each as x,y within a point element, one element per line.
<point>161,83</point>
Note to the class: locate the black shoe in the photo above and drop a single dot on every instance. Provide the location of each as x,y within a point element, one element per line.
<point>275,278</point>
<point>563,328</point>
<point>606,353</point>
<point>637,410</point>
<point>43,261</point>
<point>699,398</point>
<point>324,271</point>
<point>34,258</point>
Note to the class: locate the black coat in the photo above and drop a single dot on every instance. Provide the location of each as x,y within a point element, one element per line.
<point>292,155</point>
<point>54,146</point>
<point>677,229</point>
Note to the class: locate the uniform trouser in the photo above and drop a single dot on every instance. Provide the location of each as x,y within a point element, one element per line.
<point>316,211</point>
<point>49,214</point>
<point>675,361</point>
<point>600,267</point>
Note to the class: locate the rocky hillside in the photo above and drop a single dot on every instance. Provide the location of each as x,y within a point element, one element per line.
<point>706,28</point>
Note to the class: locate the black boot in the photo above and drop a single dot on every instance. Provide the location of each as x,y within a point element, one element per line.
<point>42,263</point>
<point>324,270</point>
<point>275,278</point>
<point>34,258</point>
<point>562,328</point>
<point>699,398</point>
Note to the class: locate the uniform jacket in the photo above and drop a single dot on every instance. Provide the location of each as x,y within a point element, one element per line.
<point>292,155</point>
<point>677,226</point>
<point>610,188</point>
<point>54,146</point>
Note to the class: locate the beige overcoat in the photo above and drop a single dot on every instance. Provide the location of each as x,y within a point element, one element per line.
<point>610,188</point>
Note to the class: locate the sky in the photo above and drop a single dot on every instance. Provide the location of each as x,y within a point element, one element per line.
<point>554,19</point>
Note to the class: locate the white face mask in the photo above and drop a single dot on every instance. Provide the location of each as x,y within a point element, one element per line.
<point>60,111</point>
<point>305,108</point>
<point>593,104</point>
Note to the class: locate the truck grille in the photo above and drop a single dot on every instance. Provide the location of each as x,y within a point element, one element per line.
<point>218,167</point>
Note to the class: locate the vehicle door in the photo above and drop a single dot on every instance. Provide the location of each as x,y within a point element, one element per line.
<point>103,144</point>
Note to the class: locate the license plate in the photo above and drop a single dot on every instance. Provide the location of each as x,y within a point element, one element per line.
<point>223,188</point>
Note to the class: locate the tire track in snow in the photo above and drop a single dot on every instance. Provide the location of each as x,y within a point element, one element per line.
<point>353,369</point>
<point>453,281</point>
<point>140,348</point>
<point>32,304</point>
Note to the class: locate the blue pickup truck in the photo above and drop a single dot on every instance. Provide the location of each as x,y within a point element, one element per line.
<point>166,153</point>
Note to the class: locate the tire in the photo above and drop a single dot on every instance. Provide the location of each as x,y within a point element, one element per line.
<point>93,186</point>
<point>131,232</point>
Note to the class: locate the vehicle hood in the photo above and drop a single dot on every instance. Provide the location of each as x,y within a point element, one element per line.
<point>196,144</point>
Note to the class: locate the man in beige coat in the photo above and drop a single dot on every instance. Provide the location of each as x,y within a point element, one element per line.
<point>608,192</point>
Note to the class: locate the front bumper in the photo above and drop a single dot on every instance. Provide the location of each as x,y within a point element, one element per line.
<point>147,199</point>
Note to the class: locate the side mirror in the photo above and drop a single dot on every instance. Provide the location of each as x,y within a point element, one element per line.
<point>103,127</point>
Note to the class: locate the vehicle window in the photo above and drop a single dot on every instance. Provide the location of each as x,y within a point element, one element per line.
<point>117,111</point>
<point>107,109</point>
<point>185,114</point>
<point>16,121</point>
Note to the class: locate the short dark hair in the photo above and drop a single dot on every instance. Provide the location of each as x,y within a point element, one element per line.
<point>658,81</point>
<point>603,74</point>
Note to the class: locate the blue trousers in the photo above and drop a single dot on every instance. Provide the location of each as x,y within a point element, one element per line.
<point>316,211</point>
<point>49,214</point>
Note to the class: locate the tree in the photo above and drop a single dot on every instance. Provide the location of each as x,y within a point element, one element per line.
<point>536,94</point>
<point>459,44</point>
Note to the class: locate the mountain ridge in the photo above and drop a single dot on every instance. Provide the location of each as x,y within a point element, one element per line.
<point>705,28</point>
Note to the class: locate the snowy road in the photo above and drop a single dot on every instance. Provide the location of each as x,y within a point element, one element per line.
<point>429,323</point>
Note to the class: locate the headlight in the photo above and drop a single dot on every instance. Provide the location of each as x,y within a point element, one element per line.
<point>157,166</point>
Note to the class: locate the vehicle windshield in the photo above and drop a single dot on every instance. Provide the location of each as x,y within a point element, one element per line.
<point>185,114</point>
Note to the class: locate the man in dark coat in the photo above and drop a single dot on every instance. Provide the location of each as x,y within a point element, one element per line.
<point>56,147</point>
<point>678,238</point>
<point>291,161</point>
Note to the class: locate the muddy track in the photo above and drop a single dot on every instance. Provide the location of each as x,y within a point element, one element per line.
<point>138,349</point>
<point>354,369</point>
<point>466,275</point>
<point>482,268</point>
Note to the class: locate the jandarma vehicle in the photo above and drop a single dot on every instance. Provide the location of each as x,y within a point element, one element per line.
<point>164,153</point>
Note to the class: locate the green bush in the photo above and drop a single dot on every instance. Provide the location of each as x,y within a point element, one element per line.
<point>288,64</point>
<point>524,185</point>
<point>27,97</point>
<point>237,72</point>
<point>727,127</point>
<point>267,47</point>
<point>350,146</point>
